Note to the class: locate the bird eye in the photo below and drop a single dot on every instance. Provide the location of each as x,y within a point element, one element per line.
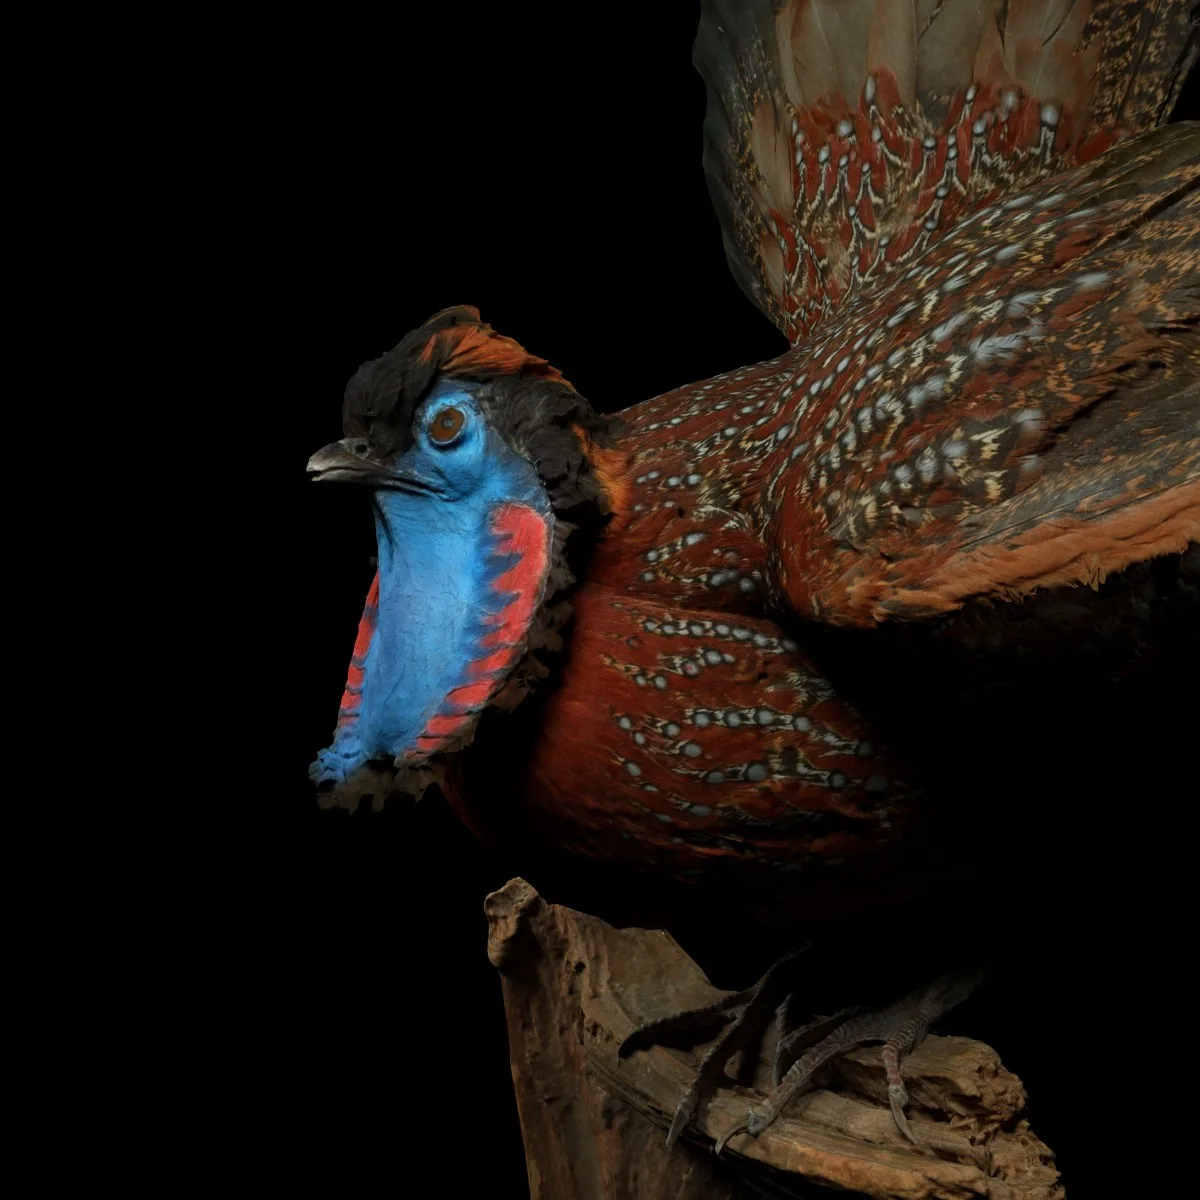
<point>447,425</point>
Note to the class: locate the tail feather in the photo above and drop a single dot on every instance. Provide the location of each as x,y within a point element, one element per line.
<point>844,137</point>
<point>1061,442</point>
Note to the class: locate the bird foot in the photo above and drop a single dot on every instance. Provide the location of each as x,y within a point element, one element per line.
<point>802,1048</point>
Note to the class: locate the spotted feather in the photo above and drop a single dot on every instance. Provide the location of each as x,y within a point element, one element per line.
<point>844,138</point>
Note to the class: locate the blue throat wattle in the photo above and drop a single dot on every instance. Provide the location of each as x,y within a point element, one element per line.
<point>440,619</point>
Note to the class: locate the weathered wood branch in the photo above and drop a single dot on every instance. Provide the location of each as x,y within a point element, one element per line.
<point>594,1125</point>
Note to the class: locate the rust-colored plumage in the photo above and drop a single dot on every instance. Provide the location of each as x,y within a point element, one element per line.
<point>987,257</point>
<point>460,344</point>
<point>819,635</point>
<point>994,393</point>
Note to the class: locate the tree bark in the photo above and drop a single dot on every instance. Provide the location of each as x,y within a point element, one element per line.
<point>594,1125</point>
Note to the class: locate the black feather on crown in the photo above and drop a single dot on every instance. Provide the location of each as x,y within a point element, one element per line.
<point>528,401</point>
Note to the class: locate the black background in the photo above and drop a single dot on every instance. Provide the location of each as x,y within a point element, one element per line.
<point>542,164</point>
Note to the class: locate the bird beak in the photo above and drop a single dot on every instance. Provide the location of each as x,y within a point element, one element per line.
<point>346,462</point>
<point>349,461</point>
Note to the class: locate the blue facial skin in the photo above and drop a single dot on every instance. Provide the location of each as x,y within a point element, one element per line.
<point>437,562</point>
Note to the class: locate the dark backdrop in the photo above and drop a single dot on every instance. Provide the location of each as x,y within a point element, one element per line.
<point>543,164</point>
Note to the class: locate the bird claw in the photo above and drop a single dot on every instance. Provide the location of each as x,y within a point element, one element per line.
<point>753,1123</point>
<point>750,1011</point>
<point>684,1111</point>
<point>742,1126</point>
<point>898,1102</point>
<point>901,1026</point>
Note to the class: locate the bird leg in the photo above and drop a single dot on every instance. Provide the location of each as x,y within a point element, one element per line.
<point>901,1027</point>
<point>802,1049</point>
<point>750,1012</point>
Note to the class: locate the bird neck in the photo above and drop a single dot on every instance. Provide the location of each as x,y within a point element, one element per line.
<point>445,623</point>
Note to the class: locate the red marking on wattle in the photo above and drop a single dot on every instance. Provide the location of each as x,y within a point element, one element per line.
<point>348,709</point>
<point>492,662</point>
<point>444,725</point>
<point>468,695</point>
<point>524,533</point>
<point>528,538</point>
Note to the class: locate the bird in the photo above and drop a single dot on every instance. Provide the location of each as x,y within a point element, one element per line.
<point>805,638</point>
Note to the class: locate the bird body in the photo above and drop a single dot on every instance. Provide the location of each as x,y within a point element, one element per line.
<point>743,633</point>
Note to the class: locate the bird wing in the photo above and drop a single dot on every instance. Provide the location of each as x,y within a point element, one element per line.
<point>1020,409</point>
<point>844,138</point>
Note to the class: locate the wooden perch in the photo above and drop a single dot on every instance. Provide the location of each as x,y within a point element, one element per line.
<point>594,1126</point>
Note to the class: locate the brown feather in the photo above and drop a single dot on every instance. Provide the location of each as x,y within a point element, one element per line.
<point>799,96</point>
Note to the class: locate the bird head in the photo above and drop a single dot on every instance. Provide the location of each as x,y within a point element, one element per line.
<point>477,457</point>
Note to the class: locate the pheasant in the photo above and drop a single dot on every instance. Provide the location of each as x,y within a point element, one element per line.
<point>796,639</point>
